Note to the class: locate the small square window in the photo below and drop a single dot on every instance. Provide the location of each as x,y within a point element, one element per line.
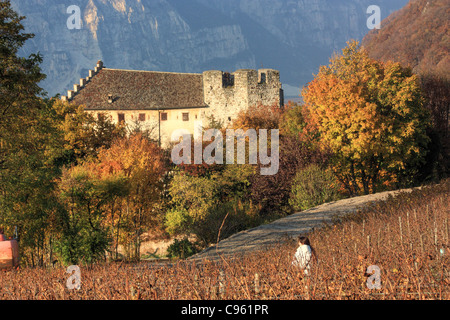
<point>141,116</point>
<point>185,116</point>
<point>163,116</point>
<point>121,117</point>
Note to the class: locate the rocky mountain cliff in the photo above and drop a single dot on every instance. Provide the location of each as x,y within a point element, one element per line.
<point>293,36</point>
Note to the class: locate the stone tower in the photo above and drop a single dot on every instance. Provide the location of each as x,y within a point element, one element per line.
<point>227,94</point>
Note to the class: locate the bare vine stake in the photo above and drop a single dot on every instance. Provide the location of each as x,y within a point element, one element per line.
<point>378,240</point>
<point>388,232</point>
<point>256,283</point>
<point>196,280</point>
<point>214,292</point>
<point>208,288</point>
<point>421,243</point>
<point>435,236</point>
<point>364,224</point>
<point>409,230</point>
<point>400,227</point>
<point>435,231</point>
<point>446,229</point>
<point>221,284</point>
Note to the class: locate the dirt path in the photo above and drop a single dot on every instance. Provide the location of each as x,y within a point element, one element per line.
<point>290,226</point>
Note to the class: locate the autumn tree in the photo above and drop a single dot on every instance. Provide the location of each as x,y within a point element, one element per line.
<point>81,135</point>
<point>141,163</point>
<point>258,117</point>
<point>271,193</point>
<point>371,116</point>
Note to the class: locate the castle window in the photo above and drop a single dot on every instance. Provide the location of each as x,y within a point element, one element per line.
<point>141,116</point>
<point>121,117</point>
<point>163,116</point>
<point>227,80</point>
<point>185,116</point>
<point>262,78</point>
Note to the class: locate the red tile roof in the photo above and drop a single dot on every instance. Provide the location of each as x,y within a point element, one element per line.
<point>141,90</point>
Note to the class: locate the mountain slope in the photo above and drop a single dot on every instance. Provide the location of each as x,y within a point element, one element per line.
<point>293,36</point>
<point>418,36</point>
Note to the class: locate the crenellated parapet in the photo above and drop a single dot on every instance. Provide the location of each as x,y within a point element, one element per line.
<point>228,93</point>
<point>83,81</point>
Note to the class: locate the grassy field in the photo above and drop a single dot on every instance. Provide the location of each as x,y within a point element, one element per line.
<point>406,237</point>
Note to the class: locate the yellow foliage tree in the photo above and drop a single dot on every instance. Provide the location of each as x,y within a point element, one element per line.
<point>370,115</point>
<point>140,162</point>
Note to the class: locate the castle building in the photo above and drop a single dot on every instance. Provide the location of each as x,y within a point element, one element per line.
<point>165,101</point>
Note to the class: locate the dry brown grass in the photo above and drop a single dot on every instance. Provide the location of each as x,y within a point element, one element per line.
<point>402,236</point>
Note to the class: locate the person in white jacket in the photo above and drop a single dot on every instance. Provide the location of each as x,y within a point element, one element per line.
<point>304,254</point>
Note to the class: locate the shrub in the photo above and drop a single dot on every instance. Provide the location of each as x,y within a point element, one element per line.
<point>182,249</point>
<point>272,192</point>
<point>313,186</point>
<point>225,220</point>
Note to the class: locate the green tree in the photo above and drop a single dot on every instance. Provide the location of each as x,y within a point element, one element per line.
<point>26,136</point>
<point>38,136</point>
<point>84,234</point>
<point>292,121</point>
<point>200,204</point>
<point>81,135</point>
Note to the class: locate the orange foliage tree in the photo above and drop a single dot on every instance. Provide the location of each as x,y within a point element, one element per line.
<point>370,115</point>
<point>111,199</point>
<point>258,117</point>
<point>137,208</point>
